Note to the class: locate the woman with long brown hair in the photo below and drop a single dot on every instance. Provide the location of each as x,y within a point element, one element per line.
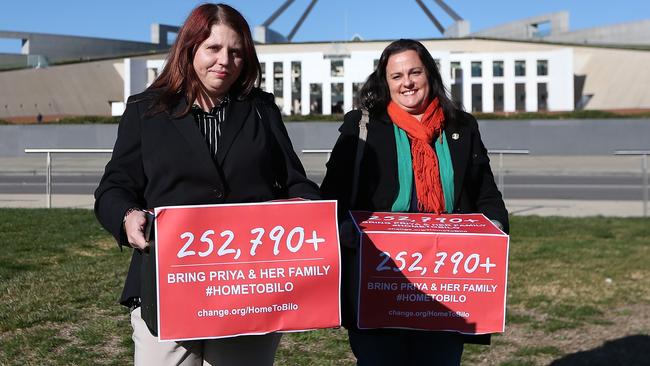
<point>422,154</point>
<point>202,133</point>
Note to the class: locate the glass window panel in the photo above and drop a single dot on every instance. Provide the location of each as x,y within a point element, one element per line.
<point>497,68</point>
<point>477,98</point>
<point>316,98</point>
<point>296,87</point>
<point>456,71</point>
<point>337,98</point>
<point>477,69</point>
<point>542,67</point>
<point>498,97</point>
<point>278,83</point>
<point>542,97</point>
<point>520,68</point>
<point>520,97</point>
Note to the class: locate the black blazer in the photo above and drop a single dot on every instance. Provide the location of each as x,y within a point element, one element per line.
<point>474,187</point>
<point>161,160</point>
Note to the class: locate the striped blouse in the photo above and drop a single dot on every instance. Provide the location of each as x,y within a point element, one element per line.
<point>209,123</point>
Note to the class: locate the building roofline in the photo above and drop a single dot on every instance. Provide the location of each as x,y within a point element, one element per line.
<point>98,59</point>
<point>471,38</point>
<point>27,35</point>
<point>480,38</point>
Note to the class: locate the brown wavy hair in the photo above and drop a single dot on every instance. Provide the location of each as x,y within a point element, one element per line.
<point>375,94</point>
<point>178,78</point>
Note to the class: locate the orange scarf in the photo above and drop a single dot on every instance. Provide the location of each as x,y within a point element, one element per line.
<point>425,162</point>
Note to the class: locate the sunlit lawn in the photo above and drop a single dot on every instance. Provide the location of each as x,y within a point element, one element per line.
<point>61,274</point>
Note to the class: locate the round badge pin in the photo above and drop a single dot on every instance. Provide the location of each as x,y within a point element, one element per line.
<point>455,136</point>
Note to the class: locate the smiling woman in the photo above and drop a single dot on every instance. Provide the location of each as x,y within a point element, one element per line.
<point>407,82</point>
<point>421,154</point>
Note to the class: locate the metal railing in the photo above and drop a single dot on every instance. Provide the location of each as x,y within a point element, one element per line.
<point>318,151</point>
<point>500,171</point>
<point>48,164</point>
<point>644,172</point>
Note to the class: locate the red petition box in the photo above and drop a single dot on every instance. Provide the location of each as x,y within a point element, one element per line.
<point>432,272</point>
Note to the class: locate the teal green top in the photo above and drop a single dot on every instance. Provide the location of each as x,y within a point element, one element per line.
<point>405,171</point>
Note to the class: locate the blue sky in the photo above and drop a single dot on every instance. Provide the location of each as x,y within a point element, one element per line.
<point>329,20</point>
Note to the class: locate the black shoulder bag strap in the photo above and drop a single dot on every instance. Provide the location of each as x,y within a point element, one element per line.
<point>361,145</point>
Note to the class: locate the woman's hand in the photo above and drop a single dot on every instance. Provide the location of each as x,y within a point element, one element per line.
<point>134,223</point>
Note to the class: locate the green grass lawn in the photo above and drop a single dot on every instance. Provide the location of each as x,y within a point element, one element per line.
<point>575,285</point>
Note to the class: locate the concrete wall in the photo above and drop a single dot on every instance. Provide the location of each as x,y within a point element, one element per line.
<point>81,89</point>
<point>630,33</point>
<point>541,137</point>
<point>14,139</point>
<point>12,60</point>
<point>567,137</point>
<point>525,28</point>
<point>615,79</point>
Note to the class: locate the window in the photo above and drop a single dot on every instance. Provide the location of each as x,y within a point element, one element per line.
<point>316,99</point>
<point>278,83</point>
<point>542,67</point>
<point>263,76</point>
<point>457,94</point>
<point>520,68</point>
<point>497,68</point>
<point>477,98</point>
<point>457,85</point>
<point>296,87</point>
<point>336,67</point>
<point>337,98</point>
<point>477,69</point>
<point>520,97</point>
<point>356,102</point>
<point>498,97</point>
<point>375,62</point>
<point>542,97</point>
<point>456,71</point>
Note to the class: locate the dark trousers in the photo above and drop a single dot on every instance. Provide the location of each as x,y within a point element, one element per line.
<point>405,347</point>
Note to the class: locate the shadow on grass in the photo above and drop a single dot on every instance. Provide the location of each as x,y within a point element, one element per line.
<point>630,351</point>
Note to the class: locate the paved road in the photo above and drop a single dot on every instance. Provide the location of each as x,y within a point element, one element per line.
<point>597,187</point>
<point>574,187</point>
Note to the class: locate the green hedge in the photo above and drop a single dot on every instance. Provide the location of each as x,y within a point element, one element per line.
<point>87,120</point>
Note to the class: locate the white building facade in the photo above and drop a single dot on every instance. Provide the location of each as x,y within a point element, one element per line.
<point>325,79</point>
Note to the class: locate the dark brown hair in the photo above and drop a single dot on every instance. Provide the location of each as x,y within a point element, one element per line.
<point>178,78</point>
<point>375,95</point>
